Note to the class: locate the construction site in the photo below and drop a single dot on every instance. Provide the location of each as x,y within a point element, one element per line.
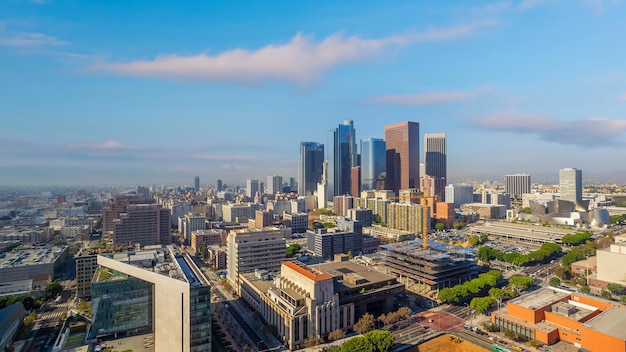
<point>428,266</point>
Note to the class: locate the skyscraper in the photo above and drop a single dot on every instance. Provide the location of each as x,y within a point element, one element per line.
<point>517,184</point>
<point>310,167</point>
<point>252,186</point>
<point>342,156</point>
<point>373,162</point>
<point>196,183</point>
<point>435,161</point>
<point>571,182</point>
<point>403,155</point>
<point>274,184</point>
<point>218,185</point>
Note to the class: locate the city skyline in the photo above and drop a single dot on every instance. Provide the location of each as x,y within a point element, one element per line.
<point>96,93</point>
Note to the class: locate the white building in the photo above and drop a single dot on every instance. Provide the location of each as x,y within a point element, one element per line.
<point>459,194</point>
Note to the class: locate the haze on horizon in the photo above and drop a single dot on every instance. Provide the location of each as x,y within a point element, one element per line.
<point>151,92</point>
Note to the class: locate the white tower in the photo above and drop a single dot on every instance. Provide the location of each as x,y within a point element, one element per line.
<point>322,202</point>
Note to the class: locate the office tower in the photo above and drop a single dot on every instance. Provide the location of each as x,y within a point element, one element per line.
<point>159,290</point>
<point>373,162</point>
<point>516,185</point>
<point>355,181</point>
<point>191,222</point>
<point>239,212</point>
<point>252,187</point>
<point>196,184</point>
<point>341,155</point>
<point>145,224</point>
<point>322,187</point>
<point>274,184</point>
<point>218,185</point>
<point>248,250</point>
<point>310,167</point>
<point>459,194</point>
<point>141,191</point>
<point>403,155</point>
<point>292,184</point>
<point>435,163</point>
<point>571,182</point>
<point>115,207</point>
<point>407,217</point>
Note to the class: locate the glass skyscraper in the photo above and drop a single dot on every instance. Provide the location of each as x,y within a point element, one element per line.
<point>310,167</point>
<point>342,156</point>
<point>373,162</point>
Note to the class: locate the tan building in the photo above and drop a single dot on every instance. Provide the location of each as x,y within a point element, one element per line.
<point>307,301</point>
<point>251,249</point>
<point>611,262</point>
<point>408,217</point>
<point>159,290</point>
<point>146,224</point>
<point>201,238</point>
<point>86,265</point>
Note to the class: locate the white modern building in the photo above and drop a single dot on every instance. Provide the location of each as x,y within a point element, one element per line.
<point>571,184</point>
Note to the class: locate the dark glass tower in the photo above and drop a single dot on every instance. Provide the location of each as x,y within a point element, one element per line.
<point>310,167</point>
<point>373,162</point>
<point>342,156</point>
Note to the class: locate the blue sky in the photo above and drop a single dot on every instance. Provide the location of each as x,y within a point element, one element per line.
<point>142,92</point>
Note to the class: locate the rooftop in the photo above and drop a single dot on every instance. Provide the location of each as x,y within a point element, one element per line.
<point>611,322</point>
<point>306,271</point>
<point>24,257</point>
<point>540,298</point>
<point>353,272</point>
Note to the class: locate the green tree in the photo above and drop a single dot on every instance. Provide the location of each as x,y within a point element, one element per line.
<point>382,340</point>
<point>439,226</point>
<point>615,289</point>
<point>448,295</point>
<point>622,298</point>
<point>555,281</point>
<point>520,283</point>
<point>482,304</point>
<point>571,257</point>
<point>358,344</point>
<point>526,210</point>
<point>53,289</point>
<point>585,289</point>
<point>563,273</point>
<point>292,250</point>
<point>365,324</point>
<point>606,294</point>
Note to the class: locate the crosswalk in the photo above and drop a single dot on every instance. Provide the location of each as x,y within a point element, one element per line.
<point>51,315</point>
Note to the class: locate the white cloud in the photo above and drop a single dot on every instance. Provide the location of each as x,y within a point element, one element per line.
<point>301,60</point>
<point>29,39</point>
<point>107,145</point>
<point>428,98</point>
<point>589,132</point>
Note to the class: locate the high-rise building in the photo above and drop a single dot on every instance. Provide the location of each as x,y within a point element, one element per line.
<point>341,155</point>
<point>274,184</point>
<point>146,224</point>
<point>251,249</point>
<point>218,185</point>
<point>189,223</point>
<point>373,162</point>
<point>435,163</point>
<point>196,183</point>
<point>252,187</point>
<point>159,290</point>
<point>355,181</point>
<point>310,167</point>
<point>517,184</point>
<point>403,155</point>
<point>459,194</point>
<point>571,182</point>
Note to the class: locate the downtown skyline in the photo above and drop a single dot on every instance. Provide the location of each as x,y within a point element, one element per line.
<point>151,92</point>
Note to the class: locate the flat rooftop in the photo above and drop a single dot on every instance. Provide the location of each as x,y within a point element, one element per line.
<point>25,257</point>
<point>540,298</point>
<point>610,322</point>
<point>348,268</point>
<point>165,261</point>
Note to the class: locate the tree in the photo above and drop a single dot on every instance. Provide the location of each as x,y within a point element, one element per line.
<point>571,257</point>
<point>311,341</point>
<point>292,250</point>
<point>448,295</point>
<point>350,255</point>
<point>563,273</point>
<point>520,283</point>
<point>622,298</point>
<point>585,289</point>
<point>555,281</point>
<point>440,226</point>
<point>615,289</point>
<point>606,294</point>
<point>482,304</point>
<point>53,289</point>
<point>498,294</point>
<point>382,340</point>
<point>365,324</point>
<point>336,335</point>
<point>358,344</point>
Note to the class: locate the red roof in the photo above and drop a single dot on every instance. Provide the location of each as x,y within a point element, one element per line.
<point>310,275</point>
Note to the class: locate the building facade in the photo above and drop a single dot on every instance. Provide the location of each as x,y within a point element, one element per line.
<point>516,185</point>
<point>341,154</point>
<point>459,194</point>
<point>274,184</point>
<point>435,162</point>
<point>310,167</point>
<point>252,187</point>
<point>373,162</point>
<point>571,184</point>
<point>403,155</point>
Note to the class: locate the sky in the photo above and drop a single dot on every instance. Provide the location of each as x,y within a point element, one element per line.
<point>151,92</point>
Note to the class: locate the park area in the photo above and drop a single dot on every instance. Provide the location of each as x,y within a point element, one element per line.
<point>449,343</point>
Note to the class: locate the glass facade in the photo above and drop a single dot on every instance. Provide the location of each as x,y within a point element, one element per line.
<point>200,318</point>
<point>120,304</point>
<point>373,162</point>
